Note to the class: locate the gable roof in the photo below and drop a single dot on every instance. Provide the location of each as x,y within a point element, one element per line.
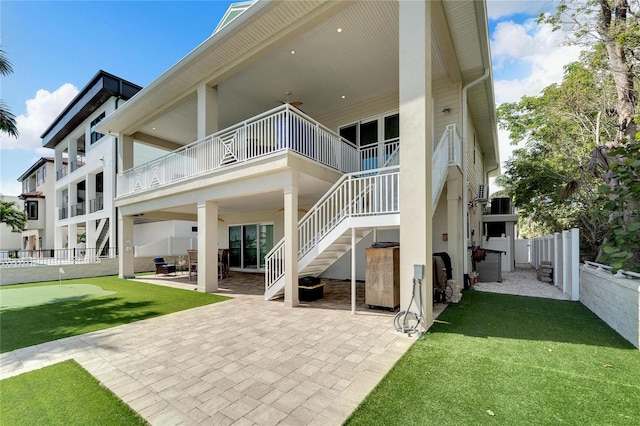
<point>101,87</point>
<point>235,9</point>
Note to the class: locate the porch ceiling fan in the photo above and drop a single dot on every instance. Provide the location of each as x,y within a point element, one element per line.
<point>295,104</point>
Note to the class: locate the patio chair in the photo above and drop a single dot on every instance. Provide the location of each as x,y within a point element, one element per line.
<point>163,267</point>
<point>193,263</point>
<point>223,263</point>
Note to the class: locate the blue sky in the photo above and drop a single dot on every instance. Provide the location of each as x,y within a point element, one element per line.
<point>57,46</point>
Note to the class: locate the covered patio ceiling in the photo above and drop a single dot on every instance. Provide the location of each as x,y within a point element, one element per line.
<point>327,55</point>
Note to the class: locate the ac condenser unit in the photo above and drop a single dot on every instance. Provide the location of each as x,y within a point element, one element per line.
<point>482,193</point>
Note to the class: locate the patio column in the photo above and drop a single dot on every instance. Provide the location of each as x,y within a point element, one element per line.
<point>208,247</point>
<point>455,244</point>
<point>291,242</point>
<point>207,110</point>
<point>125,243</point>
<point>416,210</point>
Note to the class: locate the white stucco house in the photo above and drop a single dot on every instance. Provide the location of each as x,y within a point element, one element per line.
<point>299,129</point>
<point>38,193</point>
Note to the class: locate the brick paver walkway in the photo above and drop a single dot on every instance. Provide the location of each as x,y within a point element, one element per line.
<point>243,361</point>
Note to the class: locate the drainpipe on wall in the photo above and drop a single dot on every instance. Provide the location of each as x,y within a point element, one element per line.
<point>465,182</point>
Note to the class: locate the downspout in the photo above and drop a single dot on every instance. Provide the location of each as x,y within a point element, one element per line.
<point>465,185</point>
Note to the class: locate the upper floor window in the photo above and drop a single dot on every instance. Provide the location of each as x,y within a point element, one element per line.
<point>95,135</point>
<point>31,209</point>
<point>41,175</point>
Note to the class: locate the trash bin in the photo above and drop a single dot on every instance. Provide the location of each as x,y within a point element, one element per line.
<point>490,269</point>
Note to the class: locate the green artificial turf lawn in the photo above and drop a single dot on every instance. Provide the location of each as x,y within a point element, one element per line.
<point>511,360</point>
<point>62,394</point>
<point>133,301</point>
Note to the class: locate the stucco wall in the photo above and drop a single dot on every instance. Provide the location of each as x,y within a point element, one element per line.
<point>34,274</point>
<point>615,300</point>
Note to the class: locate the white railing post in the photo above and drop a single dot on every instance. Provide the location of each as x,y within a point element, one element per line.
<point>556,257</point>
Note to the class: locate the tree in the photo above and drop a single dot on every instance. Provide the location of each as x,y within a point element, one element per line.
<point>11,215</point>
<point>614,24</point>
<point>548,178</point>
<point>7,119</point>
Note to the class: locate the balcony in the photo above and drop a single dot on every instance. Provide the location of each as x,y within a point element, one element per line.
<point>78,209</point>
<point>278,130</point>
<point>63,213</point>
<point>96,204</point>
<point>60,173</point>
<point>77,163</point>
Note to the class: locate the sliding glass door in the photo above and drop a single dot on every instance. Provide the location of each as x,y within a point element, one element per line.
<point>248,244</point>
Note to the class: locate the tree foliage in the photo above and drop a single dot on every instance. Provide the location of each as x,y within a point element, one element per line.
<point>7,119</point>
<point>549,179</point>
<point>11,215</point>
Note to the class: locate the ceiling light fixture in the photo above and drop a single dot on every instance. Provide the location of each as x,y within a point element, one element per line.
<point>293,52</point>
<point>344,97</point>
<point>339,30</point>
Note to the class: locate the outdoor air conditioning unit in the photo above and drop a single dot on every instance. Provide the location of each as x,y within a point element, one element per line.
<point>482,193</point>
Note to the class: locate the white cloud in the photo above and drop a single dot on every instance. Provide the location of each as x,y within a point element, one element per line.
<point>528,57</point>
<point>41,111</point>
<point>10,187</point>
<point>504,8</point>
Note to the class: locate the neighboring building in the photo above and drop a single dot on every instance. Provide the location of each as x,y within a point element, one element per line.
<point>85,165</point>
<point>38,195</point>
<point>397,135</point>
<point>9,241</point>
<point>85,173</point>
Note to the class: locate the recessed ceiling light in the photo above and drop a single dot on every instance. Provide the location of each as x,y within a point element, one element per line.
<point>344,96</point>
<point>153,128</point>
<point>339,30</point>
<point>293,52</point>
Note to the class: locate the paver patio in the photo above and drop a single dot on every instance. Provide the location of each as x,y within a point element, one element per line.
<point>243,361</point>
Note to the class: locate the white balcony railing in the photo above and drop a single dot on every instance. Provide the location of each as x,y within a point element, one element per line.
<point>282,128</point>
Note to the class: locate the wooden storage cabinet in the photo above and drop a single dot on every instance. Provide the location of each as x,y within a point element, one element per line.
<point>382,277</point>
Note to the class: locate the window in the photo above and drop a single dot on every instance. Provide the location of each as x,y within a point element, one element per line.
<point>95,136</point>
<point>248,245</point>
<point>31,209</point>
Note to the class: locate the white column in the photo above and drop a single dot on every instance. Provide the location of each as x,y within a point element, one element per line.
<point>207,110</point>
<point>73,235</point>
<point>91,235</point>
<point>416,210</point>
<point>291,243</point>
<point>455,246</point>
<point>208,247</point>
<point>125,243</point>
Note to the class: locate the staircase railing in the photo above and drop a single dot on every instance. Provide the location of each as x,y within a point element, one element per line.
<point>353,195</point>
<point>446,153</point>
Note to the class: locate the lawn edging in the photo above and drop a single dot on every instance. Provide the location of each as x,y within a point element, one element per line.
<point>615,300</point>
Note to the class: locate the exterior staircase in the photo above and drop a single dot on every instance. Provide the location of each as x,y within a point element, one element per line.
<point>358,201</point>
<point>102,243</point>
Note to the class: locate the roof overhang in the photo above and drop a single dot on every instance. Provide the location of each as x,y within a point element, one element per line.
<point>101,87</point>
<point>250,61</point>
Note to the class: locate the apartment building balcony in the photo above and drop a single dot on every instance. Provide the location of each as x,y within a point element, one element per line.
<point>276,131</point>
<point>96,204</point>
<point>78,209</point>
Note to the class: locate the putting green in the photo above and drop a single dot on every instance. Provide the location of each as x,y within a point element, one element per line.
<point>34,296</point>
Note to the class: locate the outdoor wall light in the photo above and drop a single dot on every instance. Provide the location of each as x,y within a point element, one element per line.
<point>446,110</point>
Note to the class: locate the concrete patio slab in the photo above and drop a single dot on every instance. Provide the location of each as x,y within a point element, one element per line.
<point>242,361</point>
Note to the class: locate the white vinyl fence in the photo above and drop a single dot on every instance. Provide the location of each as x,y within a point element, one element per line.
<point>562,252</point>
